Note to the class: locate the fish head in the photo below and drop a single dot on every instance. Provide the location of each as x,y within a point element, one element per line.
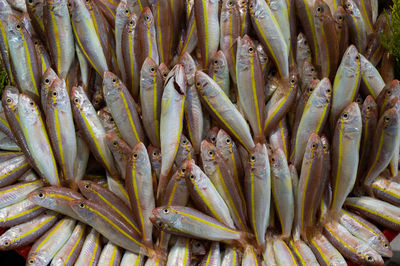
<point>42,197</point>
<point>112,84</point>
<point>149,69</point>
<point>10,98</point>
<point>164,70</point>
<point>324,89</point>
<point>246,51</point>
<point>313,147</point>
<point>187,61</point>
<point>339,16</point>
<point>193,173</point>
<point>224,141</point>
<point>139,154</point>
<point>390,120</point>
<point>164,217</point>
<point>81,208</point>
<point>352,59</point>
<point>58,93</point>
<point>325,145</point>
<point>85,186</point>
<point>229,5</point>
<point>350,120</point>
<point>132,23</point>
<point>208,151</point>
<point>321,10</point>
<point>258,157</point>
<point>369,108</point>
<point>154,154</point>
<point>33,4</point>
<point>197,247</point>
<point>122,10</point>
<point>146,18</point>
<point>27,107</point>
<point>14,26</point>
<point>48,77</point>
<point>37,258</point>
<point>6,242</point>
<point>79,98</point>
<point>308,71</point>
<point>370,256</point>
<point>218,63</point>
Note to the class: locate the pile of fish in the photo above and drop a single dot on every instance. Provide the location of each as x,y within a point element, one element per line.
<point>181,132</point>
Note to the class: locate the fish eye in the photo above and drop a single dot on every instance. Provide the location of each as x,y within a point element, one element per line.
<point>198,244</point>
<point>115,143</point>
<point>191,176</point>
<point>252,158</point>
<point>31,261</point>
<point>387,119</point>
<point>340,17</point>
<point>312,69</point>
<point>69,4</point>
<point>76,100</point>
<point>114,80</point>
<point>230,3</point>
<point>310,89</point>
<point>146,17</point>
<point>319,9</point>
<point>111,119</point>
<point>41,195</point>
<point>165,75</point>
<point>87,186</point>
<point>96,101</point>
<point>357,57</point>
<point>386,245</point>
<point>54,93</point>
<point>328,90</point>
<point>388,92</point>
<point>251,6</point>
<point>325,147</point>
<point>8,100</point>
<point>6,243</point>
<point>154,154</point>
<point>228,141</point>
<point>213,139</point>
<point>368,108</point>
<point>135,155</point>
<point>272,159</point>
<point>345,115</point>
<point>82,205</point>
<point>126,11</point>
<point>36,43</point>
<point>211,153</point>
<point>369,258</point>
<point>184,141</point>
<point>215,61</point>
<point>30,1</point>
<point>251,49</point>
<point>152,69</point>
<point>131,22</point>
<point>18,26</point>
<point>31,103</point>
<point>183,170</point>
<point>47,81</point>
<point>197,83</point>
<point>166,210</point>
<point>292,81</point>
<point>314,146</point>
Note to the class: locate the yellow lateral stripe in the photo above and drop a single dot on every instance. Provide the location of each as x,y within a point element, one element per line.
<point>128,112</point>
<point>386,191</point>
<point>9,218</point>
<point>206,222</point>
<point>320,251</point>
<point>115,248</point>
<point>206,37</point>
<point>373,212</point>
<point>59,143</point>
<point>189,37</point>
<point>224,122</point>
<point>160,34</point>
<point>33,229</point>
<point>253,218</point>
<point>155,107</point>
<point>13,171</point>
<point>96,246</point>
<point>304,195</point>
<point>328,56</point>
<point>138,202</point>
<point>283,139</point>
<point>335,189</point>
<point>18,187</point>
<point>74,246</point>
<point>28,57</point>
<point>115,226</point>
<point>207,203</point>
<point>364,11</point>
<point>278,211</point>
<point>83,49</point>
<point>254,91</point>
<point>376,157</point>
<point>360,222</point>
<point>4,37</point>
<point>53,230</point>
<point>282,101</point>
<point>57,39</point>
<point>231,203</point>
<point>318,128</point>
<point>185,255</point>
<point>297,252</point>
<point>116,210</point>
<point>209,257</point>
<point>340,240</point>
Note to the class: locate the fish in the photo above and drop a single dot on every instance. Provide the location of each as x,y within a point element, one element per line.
<point>56,17</point>
<point>345,148</point>
<point>55,198</point>
<point>325,252</point>
<point>164,27</point>
<point>151,90</point>
<point>146,36</point>
<point>213,256</point>
<point>208,29</point>
<point>12,168</point>
<point>303,252</point>
<point>387,190</point>
<point>270,35</point>
<point>172,104</point>
<point>283,254</point>
<point>70,251</point>
<point>122,109</point>
<point>251,98</point>
<point>223,110</point>
<point>219,71</point>
<point>116,230</point>
<point>19,213</point>
<point>358,27</point>
<point>91,128</point>
<point>91,249</point>
<point>59,114</point>
<point>26,233</point>
<point>180,253</point>
<point>372,82</point>
<point>110,255</point>
<point>47,246</point>
<point>257,188</point>
<point>139,185</point>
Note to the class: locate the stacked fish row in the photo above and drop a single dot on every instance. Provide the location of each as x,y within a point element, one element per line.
<point>284,150</point>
